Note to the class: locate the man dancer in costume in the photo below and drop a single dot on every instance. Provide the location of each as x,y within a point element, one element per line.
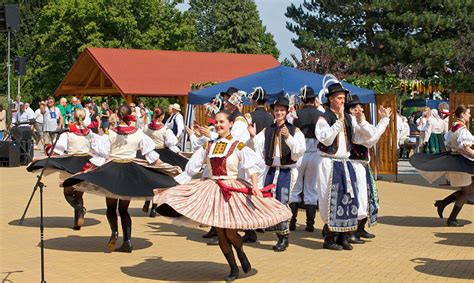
<point>307,117</point>
<point>261,119</point>
<point>336,182</point>
<point>367,191</point>
<point>281,146</point>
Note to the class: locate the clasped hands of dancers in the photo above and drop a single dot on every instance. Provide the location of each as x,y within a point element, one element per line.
<point>323,154</point>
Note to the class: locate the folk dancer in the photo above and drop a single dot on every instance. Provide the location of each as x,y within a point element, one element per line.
<point>165,145</point>
<point>307,117</point>
<point>281,146</point>
<point>336,182</point>
<point>74,150</point>
<point>120,177</point>
<point>223,200</point>
<point>457,165</point>
<point>368,135</point>
<point>261,119</point>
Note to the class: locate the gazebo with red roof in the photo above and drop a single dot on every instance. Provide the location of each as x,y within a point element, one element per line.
<point>134,73</point>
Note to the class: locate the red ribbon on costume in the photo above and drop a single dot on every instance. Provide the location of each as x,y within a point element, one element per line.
<point>130,118</point>
<point>155,125</point>
<point>227,190</point>
<point>72,127</point>
<point>456,127</point>
<point>47,148</point>
<point>87,166</point>
<point>211,121</point>
<point>93,125</point>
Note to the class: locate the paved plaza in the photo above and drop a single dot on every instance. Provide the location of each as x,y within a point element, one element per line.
<point>412,243</point>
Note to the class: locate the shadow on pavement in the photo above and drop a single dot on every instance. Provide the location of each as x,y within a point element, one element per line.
<point>133,211</point>
<point>298,237</point>
<point>456,239</point>
<point>416,221</point>
<point>158,269</point>
<point>444,268</point>
<point>93,244</point>
<point>53,222</point>
<point>171,230</point>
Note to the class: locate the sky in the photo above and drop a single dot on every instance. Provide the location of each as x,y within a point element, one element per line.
<point>272,13</point>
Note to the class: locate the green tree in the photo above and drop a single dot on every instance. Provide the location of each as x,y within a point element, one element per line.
<point>380,33</point>
<point>232,26</point>
<point>64,28</point>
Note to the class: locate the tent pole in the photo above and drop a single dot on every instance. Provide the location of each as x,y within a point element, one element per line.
<point>189,117</point>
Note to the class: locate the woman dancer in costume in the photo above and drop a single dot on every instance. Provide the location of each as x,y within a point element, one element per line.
<point>166,146</point>
<point>434,134</point>
<point>368,135</point>
<point>74,149</point>
<point>457,165</point>
<point>223,200</point>
<point>123,177</point>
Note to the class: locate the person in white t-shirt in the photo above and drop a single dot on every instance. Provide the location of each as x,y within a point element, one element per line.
<point>28,109</point>
<point>52,120</point>
<point>22,117</point>
<point>39,123</point>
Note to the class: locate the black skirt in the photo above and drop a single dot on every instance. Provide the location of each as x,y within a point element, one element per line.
<point>170,157</point>
<point>71,163</point>
<point>121,180</point>
<point>442,162</point>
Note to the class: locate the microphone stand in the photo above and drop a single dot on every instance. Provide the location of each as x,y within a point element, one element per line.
<point>39,184</point>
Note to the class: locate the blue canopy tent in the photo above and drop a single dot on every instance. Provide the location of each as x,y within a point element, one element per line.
<point>274,81</point>
<point>431,103</point>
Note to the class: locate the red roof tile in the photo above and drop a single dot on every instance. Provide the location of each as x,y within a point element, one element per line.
<point>171,73</point>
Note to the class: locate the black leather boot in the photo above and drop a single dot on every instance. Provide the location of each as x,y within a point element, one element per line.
<point>250,236</point>
<point>325,230</point>
<point>79,217</point>
<point>126,246</point>
<point>310,215</point>
<point>244,261</point>
<point>153,210</point>
<point>214,241</point>
<point>79,211</point>
<point>294,210</point>
<point>330,243</point>
<point>353,239</point>
<point>441,204</point>
<point>212,233</point>
<point>452,221</point>
<point>361,233</point>
<point>342,240</point>
<point>234,270</point>
<point>282,243</point>
<point>145,207</point>
<point>114,237</point>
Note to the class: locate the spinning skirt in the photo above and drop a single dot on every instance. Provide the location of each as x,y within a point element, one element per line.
<point>205,203</point>
<point>124,180</point>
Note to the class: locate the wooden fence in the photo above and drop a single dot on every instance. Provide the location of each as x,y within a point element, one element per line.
<point>386,161</point>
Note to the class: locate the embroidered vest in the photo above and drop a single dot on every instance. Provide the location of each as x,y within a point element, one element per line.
<point>271,134</point>
<point>331,119</point>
